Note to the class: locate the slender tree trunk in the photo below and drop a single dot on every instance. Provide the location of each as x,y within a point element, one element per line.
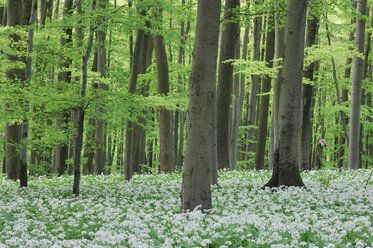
<point>277,82</point>
<point>132,89</point>
<point>101,64</point>
<point>25,125</point>
<point>229,38</point>
<point>242,84</point>
<point>137,129</point>
<point>253,100</point>
<point>285,167</point>
<point>264,102</point>
<point>61,151</point>
<point>236,115</point>
<point>196,177</point>
<point>80,112</point>
<point>353,147</point>
<point>2,10</point>
<point>307,96</point>
<point>165,134</point>
<point>344,98</point>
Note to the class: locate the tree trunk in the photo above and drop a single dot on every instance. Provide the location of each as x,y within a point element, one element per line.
<point>353,147</point>
<point>33,8</point>
<point>344,98</point>
<point>138,130</point>
<point>132,89</point>
<point>307,96</point>
<point>101,64</point>
<point>236,117</point>
<point>196,177</point>
<point>16,76</point>
<point>285,167</point>
<point>229,39</point>
<point>277,82</point>
<point>61,151</point>
<point>80,112</point>
<point>165,134</point>
<point>264,102</point>
<point>253,100</point>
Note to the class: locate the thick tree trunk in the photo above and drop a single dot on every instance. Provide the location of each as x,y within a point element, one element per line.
<point>264,102</point>
<point>229,38</point>
<point>307,97</point>
<point>285,167</point>
<point>354,137</point>
<point>165,130</point>
<point>196,177</point>
<point>16,76</point>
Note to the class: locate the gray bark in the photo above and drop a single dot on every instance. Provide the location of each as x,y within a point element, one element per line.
<point>285,167</point>
<point>354,137</point>
<point>277,82</point>
<point>307,98</point>
<point>101,64</point>
<point>165,130</point>
<point>13,131</point>
<point>196,189</point>
<point>132,89</point>
<point>61,151</point>
<point>253,100</point>
<point>229,39</point>
<point>80,112</point>
<point>264,102</point>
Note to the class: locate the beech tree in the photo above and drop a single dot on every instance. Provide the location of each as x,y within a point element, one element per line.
<point>285,161</point>
<point>196,189</point>
<point>229,38</point>
<point>14,76</point>
<point>357,77</point>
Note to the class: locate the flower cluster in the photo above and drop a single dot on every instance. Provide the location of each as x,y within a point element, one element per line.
<point>335,210</point>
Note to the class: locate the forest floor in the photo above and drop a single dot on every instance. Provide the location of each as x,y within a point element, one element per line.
<point>336,210</point>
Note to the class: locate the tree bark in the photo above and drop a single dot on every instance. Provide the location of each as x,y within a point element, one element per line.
<point>61,151</point>
<point>353,147</point>
<point>80,112</point>
<point>132,89</point>
<point>307,96</point>
<point>229,38</point>
<point>15,76</point>
<point>101,64</point>
<point>165,134</point>
<point>25,125</point>
<point>264,102</point>
<point>196,177</point>
<point>277,82</point>
<point>285,167</point>
<point>254,91</point>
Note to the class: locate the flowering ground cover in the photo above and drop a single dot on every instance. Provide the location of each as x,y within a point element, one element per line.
<point>336,210</point>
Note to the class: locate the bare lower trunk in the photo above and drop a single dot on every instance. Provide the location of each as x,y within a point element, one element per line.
<point>196,189</point>
<point>353,148</point>
<point>307,95</point>
<point>285,167</point>
<point>229,39</point>
<point>165,130</point>
<point>264,103</point>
